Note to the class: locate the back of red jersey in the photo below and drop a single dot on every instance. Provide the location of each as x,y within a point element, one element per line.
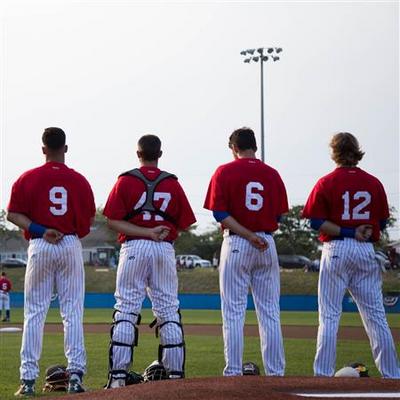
<point>349,197</point>
<point>250,191</point>
<point>129,193</point>
<point>54,196</point>
<point>5,285</point>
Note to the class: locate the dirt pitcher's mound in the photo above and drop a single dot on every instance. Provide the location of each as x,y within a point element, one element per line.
<point>247,387</point>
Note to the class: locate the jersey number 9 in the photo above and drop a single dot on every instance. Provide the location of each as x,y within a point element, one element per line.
<point>58,197</point>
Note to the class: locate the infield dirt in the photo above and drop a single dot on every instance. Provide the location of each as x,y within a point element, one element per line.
<point>244,387</point>
<point>289,331</point>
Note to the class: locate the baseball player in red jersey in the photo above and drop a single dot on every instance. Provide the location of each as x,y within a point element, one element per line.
<point>248,197</point>
<point>349,208</point>
<point>5,287</point>
<point>147,207</point>
<point>54,206</point>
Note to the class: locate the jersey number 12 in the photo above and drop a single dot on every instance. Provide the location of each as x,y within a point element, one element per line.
<point>358,211</point>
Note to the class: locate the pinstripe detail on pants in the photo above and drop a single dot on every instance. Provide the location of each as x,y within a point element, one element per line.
<point>60,267</point>
<point>4,301</point>
<point>242,267</point>
<point>349,264</point>
<point>148,267</point>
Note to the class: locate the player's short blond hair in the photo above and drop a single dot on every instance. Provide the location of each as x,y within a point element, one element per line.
<point>346,150</point>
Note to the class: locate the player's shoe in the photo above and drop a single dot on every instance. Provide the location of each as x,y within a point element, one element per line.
<point>27,388</point>
<point>116,379</point>
<point>75,384</point>
<point>116,383</point>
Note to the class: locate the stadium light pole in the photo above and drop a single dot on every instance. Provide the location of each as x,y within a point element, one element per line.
<point>264,54</point>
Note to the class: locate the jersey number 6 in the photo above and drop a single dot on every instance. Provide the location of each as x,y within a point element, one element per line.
<point>254,200</point>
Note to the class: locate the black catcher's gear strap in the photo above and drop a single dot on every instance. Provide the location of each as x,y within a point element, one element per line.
<point>161,347</point>
<point>150,186</point>
<point>115,343</point>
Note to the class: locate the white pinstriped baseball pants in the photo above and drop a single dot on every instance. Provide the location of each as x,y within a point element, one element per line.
<point>148,267</point>
<point>243,266</point>
<point>4,301</point>
<point>49,266</point>
<point>349,264</point>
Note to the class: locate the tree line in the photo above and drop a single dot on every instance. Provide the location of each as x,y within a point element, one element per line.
<point>294,236</point>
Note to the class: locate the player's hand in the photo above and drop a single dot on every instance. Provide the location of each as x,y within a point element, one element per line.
<point>363,233</point>
<point>258,242</point>
<point>52,236</point>
<point>159,233</point>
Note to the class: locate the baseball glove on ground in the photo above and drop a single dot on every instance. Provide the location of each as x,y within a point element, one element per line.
<point>56,379</point>
<point>249,368</point>
<point>133,378</point>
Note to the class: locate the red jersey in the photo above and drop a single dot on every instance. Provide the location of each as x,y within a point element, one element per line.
<point>250,191</point>
<point>348,197</point>
<point>54,196</point>
<point>5,284</point>
<point>129,192</point>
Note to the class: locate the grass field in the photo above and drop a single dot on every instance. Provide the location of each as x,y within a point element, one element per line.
<point>201,317</point>
<point>204,357</point>
<point>205,280</point>
<point>204,353</point>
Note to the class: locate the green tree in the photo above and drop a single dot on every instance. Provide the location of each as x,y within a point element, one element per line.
<point>8,231</point>
<point>295,236</point>
<point>204,244</point>
<point>384,241</point>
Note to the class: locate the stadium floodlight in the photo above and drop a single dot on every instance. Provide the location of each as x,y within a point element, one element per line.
<point>272,55</point>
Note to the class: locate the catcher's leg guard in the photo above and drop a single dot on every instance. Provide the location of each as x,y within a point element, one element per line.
<point>124,336</point>
<point>172,350</point>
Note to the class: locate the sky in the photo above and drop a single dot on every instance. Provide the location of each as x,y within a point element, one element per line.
<point>108,72</point>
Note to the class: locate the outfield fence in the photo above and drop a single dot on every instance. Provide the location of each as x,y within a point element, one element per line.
<point>213,302</point>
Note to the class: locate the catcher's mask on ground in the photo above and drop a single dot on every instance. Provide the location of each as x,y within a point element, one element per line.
<point>250,368</point>
<point>155,372</point>
<point>56,379</point>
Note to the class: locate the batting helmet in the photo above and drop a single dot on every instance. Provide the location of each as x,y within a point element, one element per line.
<point>250,368</point>
<point>155,372</point>
<point>353,370</point>
<point>361,368</point>
<point>56,379</point>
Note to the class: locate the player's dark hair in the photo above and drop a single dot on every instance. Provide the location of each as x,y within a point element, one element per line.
<point>149,147</point>
<point>3,273</point>
<point>244,139</point>
<point>53,138</point>
<point>346,149</point>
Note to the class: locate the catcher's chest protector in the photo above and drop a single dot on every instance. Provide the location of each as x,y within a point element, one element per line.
<point>150,186</point>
